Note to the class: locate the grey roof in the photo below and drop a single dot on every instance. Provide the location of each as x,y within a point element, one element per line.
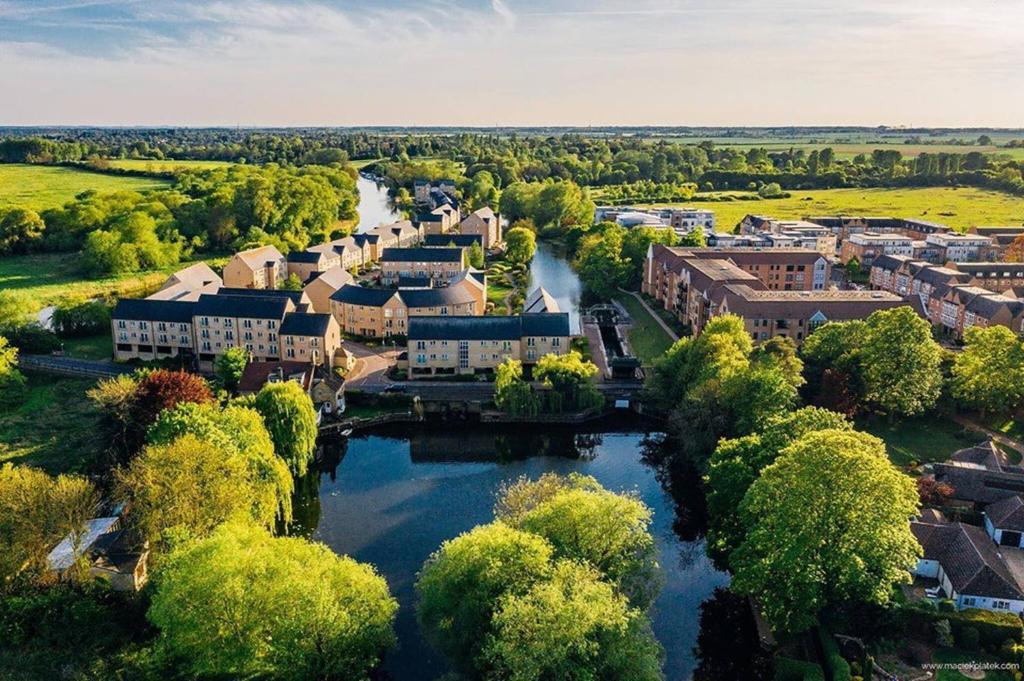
<point>488,328</point>
<point>435,297</point>
<point>294,296</point>
<point>415,282</point>
<point>154,310</point>
<point>970,560</point>
<point>1007,514</point>
<point>253,307</point>
<point>305,256</point>
<point>421,255</point>
<point>305,324</point>
<point>360,295</point>
<point>460,240</point>
<point>540,301</point>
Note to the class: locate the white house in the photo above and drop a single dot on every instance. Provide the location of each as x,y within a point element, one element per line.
<point>969,568</point>
<point>1004,522</point>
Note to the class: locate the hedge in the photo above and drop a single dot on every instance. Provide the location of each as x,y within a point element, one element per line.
<point>993,628</point>
<point>839,668</point>
<point>788,669</point>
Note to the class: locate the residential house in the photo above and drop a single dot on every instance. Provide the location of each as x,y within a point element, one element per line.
<point>322,285</point>
<point>189,283</point>
<point>440,264</point>
<point>485,223</point>
<point>1004,521</point>
<point>323,385</point>
<point>262,267</point>
<point>980,475</point>
<point>440,220</point>
<point>468,345</point>
<point>969,568</point>
<point>304,264</point>
<point>310,337</point>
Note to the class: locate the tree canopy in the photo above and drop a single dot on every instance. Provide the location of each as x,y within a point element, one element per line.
<point>520,245</point>
<point>989,373</point>
<point>288,412</point>
<point>242,603</point>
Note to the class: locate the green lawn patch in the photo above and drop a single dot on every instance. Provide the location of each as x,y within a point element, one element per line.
<point>166,165</point>
<point>1007,425</point>
<point>923,440</point>
<point>47,278</point>
<point>959,208</point>
<point>41,187</point>
<point>55,428</point>
<point>647,339</point>
<point>90,347</point>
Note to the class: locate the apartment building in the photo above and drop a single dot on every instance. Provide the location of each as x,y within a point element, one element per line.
<point>324,285</point>
<point>682,220</point>
<point>867,246</point>
<point>434,192</point>
<point>843,226</point>
<point>440,264</point>
<point>440,220</point>
<point>960,247</point>
<point>786,269</point>
<point>795,314</point>
<point>226,321</point>
<point>1002,238</point>
<point>304,264</point>
<point>384,312</point>
<point>152,328</point>
<point>998,276</point>
<point>485,223</point>
<point>310,337</point>
<point>475,345</point>
<point>262,268</point>
<point>961,307</point>
<point>187,283</point>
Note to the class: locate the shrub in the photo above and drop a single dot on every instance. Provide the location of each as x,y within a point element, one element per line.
<point>968,638</point>
<point>788,669</point>
<point>839,668</point>
<point>943,634</point>
<point>82,318</point>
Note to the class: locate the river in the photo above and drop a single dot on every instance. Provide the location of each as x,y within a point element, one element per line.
<point>391,498</point>
<point>374,205</point>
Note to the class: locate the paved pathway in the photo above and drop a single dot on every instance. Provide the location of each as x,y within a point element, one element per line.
<point>995,435</point>
<point>71,366</point>
<point>661,322</point>
<point>371,366</point>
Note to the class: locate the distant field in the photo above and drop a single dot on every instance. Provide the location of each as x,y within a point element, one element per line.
<point>166,165</point>
<point>40,187</point>
<point>46,279</point>
<point>960,208</point>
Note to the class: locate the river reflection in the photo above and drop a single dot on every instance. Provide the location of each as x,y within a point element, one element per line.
<point>551,270</point>
<point>392,497</point>
<point>374,205</point>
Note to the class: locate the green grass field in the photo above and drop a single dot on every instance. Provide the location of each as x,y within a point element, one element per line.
<point>647,339</point>
<point>41,187</point>
<point>166,165</point>
<point>55,428</point>
<point>959,208</point>
<point>48,278</point>
<point>921,440</point>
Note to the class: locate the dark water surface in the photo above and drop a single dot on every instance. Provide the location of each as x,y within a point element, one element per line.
<point>394,497</point>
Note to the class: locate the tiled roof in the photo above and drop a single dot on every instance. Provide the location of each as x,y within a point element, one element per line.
<point>436,297</point>
<point>834,305</point>
<point>154,310</point>
<point>251,307</point>
<point>970,560</point>
<point>540,301</point>
<point>256,374</point>
<point>422,255</point>
<point>336,277</point>
<point>305,256</point>
<point>1007,514</point>
<point>258,257</point>
<point>305,324</point>
<point>488,328</point>
<point>460,240</point>
<point>361,295</point>
<point>294,296</point>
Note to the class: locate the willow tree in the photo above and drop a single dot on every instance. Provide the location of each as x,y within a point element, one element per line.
<point>512,394</point>
<point>291,419</point>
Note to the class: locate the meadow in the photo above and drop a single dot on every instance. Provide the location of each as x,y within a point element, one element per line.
<point>959,208</point>
<point>40,187</point>
<point>47,278</point>
<point>164,166</point>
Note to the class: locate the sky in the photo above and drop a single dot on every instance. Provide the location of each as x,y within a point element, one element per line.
<point>955,63</point>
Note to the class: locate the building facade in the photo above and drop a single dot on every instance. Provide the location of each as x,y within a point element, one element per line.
<point>439,264</point>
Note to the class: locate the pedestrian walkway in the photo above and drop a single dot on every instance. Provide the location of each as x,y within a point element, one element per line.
<point>661,322</point>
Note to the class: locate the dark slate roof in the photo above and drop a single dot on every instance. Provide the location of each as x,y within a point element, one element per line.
<point>985,454</point>
<point>435,297</point>
<point>305,324</point>
<point>421,255</point>
<point>360,295</point>
<point>256,374</point>
<point>427,217</point>
<point>460,240</point>
<point>970,560</point>
<point>415,282</point>
<point>362,239</point>
<point>488,328</point>
<point>1007,514</point>
<point>263,307</point>
<point>889,262</point>
<point>305,256</point>
<point>154,310</point>
<point>294,296</point>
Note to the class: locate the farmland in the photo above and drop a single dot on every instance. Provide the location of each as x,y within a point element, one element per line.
<point>41,187</point>
<point>959,208</point>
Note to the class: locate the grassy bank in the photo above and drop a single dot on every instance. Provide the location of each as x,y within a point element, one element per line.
<point>648,340</point>
<point>921,440</point>
<point>55,428</point>
<point>959,208</point>
<point>41,187</point>
<point>48,278</point>
<point>163,166</point>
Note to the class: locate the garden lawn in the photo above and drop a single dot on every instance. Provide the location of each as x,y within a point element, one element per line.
<point>48,278</point>
<point>41,187</point>
<point>923,440</point>
<point>55,428</point>
<point>90,347</point>
<point>647,339</point>
<point>958,208</point>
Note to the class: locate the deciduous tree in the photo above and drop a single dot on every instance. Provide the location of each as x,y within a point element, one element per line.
<point>900,362</point>
<point>228,367</point>
<point>242,603</point>
<point>512,394</point>
<point>520,245</point>
<point>989,373</point>
<point>291,419</point>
